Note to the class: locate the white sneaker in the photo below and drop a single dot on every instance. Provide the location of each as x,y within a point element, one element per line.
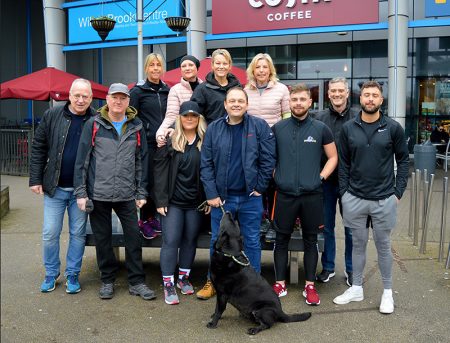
<point>351,294</point>
<point>387,302</point>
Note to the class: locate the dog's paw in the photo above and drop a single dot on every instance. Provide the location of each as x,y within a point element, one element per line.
<point>253,331</point>
<point>211,325</point>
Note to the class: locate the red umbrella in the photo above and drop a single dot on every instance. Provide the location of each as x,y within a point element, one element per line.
<point>45,84</point>
<point>173,76</point>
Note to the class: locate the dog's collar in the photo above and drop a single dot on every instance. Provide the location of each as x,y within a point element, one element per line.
<point>234,258</point>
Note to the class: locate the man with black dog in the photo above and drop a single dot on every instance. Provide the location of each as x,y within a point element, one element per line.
<point>301,141</point>
<point>237,161</point>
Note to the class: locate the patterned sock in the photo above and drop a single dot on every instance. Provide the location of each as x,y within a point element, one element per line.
<point>182,272</point>
<point>168,279</point>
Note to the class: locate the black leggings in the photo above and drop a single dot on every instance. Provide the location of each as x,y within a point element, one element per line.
<point>310,257</point>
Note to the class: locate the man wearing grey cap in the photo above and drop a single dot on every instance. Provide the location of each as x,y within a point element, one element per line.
<point>111,170</point>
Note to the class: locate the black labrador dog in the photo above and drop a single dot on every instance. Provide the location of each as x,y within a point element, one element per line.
<point>239,284</point>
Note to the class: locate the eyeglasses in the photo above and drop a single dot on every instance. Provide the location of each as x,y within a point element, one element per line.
<point>79,96</point>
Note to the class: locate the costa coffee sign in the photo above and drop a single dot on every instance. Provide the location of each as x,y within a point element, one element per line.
<point>259,15</point>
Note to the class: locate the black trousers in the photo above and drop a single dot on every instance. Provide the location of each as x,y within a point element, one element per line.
<point>101,225</point>
<point>309,208</point>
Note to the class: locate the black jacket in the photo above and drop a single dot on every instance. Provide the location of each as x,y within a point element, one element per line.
<point>335,121</point>
<point>299,152</point>
<point>48,147</point>
<point>166,163</point>
<point>210,96</point>
<point>110,167</point>
<point>366,164</point>
<point>151,106</point>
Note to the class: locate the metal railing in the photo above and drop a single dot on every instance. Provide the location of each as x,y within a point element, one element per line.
<point>15,148</point>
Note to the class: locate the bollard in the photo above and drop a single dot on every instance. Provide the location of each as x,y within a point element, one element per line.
<point>429,197</point>
<point>425,197</point>
<point>416,209</point>
<point>443,219</point>
<point>412,204</point>
<point>447,264</point>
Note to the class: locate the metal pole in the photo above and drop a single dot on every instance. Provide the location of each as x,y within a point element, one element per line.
<point>416,209</point>
<point>425,197</point>
<point>443,218</point>
<point>140,48</point>
<point>412,204</point>
<point>423,245</point>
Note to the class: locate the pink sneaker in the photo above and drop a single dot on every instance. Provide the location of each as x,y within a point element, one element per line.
<point>311,295</point>
<point>279,289</point>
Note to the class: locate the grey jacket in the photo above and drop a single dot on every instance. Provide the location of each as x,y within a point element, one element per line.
<point>110,167</point>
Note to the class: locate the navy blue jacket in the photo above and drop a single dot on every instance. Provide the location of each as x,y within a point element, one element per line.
<point>366,164</point>
<point>258,156</point>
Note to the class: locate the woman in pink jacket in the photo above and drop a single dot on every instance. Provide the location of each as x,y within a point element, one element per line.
<point>178,94</point>
<point>267,98</point>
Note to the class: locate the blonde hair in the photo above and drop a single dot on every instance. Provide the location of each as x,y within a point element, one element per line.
<point>179,139</point>
<point>150,58</point>
<point>222,52</point>
<point>252,66</point>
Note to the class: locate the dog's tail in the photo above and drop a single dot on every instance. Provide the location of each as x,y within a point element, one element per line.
<point>298,317</point>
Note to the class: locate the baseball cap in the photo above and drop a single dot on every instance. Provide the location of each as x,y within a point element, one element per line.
<point>189,107</point>
<point>119,88</point>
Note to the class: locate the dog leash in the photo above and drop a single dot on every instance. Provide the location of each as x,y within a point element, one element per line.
<point>202,206</point>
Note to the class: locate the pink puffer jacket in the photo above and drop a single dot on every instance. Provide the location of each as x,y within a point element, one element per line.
<point>271,104</point>
<point>178,94</point>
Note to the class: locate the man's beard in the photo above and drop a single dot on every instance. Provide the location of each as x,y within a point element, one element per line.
<point>370,111</point>
<point>298,114</point>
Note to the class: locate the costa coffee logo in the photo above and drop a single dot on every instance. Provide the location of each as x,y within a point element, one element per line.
<point>232,16</point>
<point>274,3</point>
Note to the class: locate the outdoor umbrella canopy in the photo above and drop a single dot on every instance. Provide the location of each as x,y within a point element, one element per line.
<point>45,84</point>
<point>173,76</point>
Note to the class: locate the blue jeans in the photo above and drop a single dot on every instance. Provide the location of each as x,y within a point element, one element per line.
<point>330,198</point>
<point>54,209</point>
<point>180,229</point>
<point>248,211</point>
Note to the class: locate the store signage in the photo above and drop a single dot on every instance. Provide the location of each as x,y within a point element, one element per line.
<point>259,15</point>
<point>437,8</point>
<point>124,13</point>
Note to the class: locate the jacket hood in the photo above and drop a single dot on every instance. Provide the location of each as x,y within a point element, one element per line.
<point>131,113</point>
<point>146,85</point>
<point>232,80</point>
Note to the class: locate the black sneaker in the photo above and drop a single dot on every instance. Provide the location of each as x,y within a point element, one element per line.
<point>271,234</point>
<point>325,276</point>
<point>142,290</point>
<point>349,278</point>
<point>106,291</point>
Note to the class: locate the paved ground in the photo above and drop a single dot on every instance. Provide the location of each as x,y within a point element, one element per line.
<point>421,286</point>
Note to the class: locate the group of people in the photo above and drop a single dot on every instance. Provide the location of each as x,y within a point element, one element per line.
<point>204,147</point>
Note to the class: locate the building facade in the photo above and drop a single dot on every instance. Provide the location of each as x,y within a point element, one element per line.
<point>303,48</point>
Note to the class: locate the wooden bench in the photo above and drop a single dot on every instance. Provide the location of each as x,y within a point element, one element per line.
<point>295,245</point>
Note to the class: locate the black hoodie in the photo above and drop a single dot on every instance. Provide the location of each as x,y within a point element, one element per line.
<point>210,96</point>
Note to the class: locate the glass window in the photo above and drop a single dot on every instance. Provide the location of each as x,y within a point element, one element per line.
<point>432,56</point>
<point>283,56</point>
<point>324,61</point>
<point>370,59</point>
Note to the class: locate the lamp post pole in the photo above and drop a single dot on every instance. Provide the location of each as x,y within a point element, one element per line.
<point>140,49</point>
